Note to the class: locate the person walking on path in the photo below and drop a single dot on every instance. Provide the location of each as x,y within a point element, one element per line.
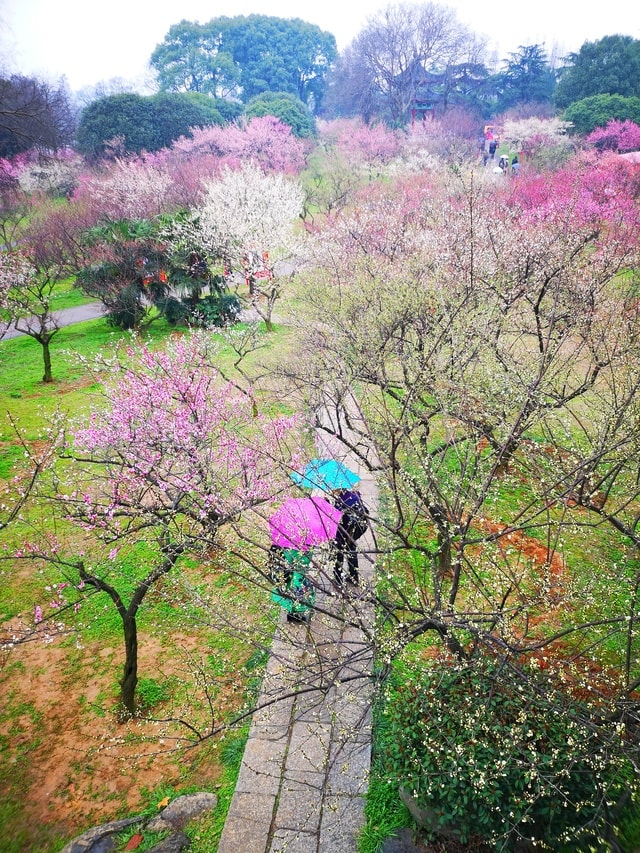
<point>353,525</point>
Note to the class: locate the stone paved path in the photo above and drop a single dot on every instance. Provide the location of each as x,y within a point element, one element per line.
<point>305,768</point>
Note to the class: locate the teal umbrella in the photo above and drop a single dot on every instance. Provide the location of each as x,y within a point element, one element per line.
<point>326,474</point>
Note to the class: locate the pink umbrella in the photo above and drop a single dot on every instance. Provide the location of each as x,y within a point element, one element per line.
<point>303,522</point>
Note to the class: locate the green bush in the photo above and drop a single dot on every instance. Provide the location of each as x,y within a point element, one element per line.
<point>217,310</point>
<point>598,110</point>
<point>286,107</point>
<point>175,311</point>
<point>482,756</point>
<point>127,311</point>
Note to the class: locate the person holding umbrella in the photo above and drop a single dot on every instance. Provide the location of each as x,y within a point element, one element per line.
<point>296,527</point>
<point>335,479</point>
<point>353,524</point>
<point>294,592</point>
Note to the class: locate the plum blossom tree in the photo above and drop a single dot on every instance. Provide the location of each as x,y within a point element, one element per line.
<point>129,189</point>
<point>52,173</point>
<point>174,455</point>
<point>348,153</point>
<point>44,248</point>
<point>542,141</point>
<point>619,136</point>
<point>248,218</point>
<point>14,271</point>
<point>26,300</point>
<point>369,147</point>
<point>491,331</point>
<point>265,141</point>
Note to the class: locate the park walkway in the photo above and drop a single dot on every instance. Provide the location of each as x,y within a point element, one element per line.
<point>306,764</point>
<point>64,317</point>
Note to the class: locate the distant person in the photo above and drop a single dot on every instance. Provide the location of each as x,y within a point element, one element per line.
<point>515,165</point>
<point>503,162</point>
<point>493,147</point>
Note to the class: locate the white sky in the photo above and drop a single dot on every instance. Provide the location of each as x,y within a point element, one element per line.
<point>89,41</point>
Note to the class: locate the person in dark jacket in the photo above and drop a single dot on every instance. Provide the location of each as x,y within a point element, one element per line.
<point>353,525</point>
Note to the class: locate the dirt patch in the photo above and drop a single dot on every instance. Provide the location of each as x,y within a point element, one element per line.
<point>76,764</point>
<point>548,560</point>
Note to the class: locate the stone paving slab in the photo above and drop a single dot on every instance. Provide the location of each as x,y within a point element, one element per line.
<point>248,823</point>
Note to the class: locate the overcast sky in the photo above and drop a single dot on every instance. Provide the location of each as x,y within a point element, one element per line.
<point>88,41</point>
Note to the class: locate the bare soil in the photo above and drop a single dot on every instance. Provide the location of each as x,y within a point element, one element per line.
<point>77,764</point>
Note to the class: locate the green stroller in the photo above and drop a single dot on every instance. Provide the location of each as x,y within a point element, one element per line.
<point>294,592</point>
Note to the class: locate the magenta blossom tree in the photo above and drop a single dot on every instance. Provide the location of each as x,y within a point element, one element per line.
<point>618,136</point>
<point>173,455</point>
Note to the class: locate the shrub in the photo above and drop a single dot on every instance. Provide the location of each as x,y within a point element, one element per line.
<point>482,756</point>
<point>218,310</point>
<point>175,311</point>
<point>598,110</point>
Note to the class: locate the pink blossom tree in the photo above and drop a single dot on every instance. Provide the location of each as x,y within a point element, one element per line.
<point>368,147</point>
<point>174,455</point>
<point>46,249</point>
<point>264,141</point>
<point>348,154</point>
<point>618,136</point>
<point>27,301</point>
<point>131,189</point>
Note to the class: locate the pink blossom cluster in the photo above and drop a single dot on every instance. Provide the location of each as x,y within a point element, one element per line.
<point>58,601</point>
<point>178,441</point>
<point>618,136</point>
<point>130,189</point>
<point>266,141</point>
<point>359,143</point>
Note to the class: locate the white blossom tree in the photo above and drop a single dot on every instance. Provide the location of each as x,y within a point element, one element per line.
<point>491,335</point>
<point>248,217</point>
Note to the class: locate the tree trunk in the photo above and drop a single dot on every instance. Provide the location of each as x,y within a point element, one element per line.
<point>46,357</point>
<point>129,679</point>
<point>444,555</point>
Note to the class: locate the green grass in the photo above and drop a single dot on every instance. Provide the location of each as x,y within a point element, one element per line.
<point>385,814</point>
<point>205,834</point>
<point>67,295</point>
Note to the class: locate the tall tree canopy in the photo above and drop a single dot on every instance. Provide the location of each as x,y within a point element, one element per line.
<point>609,66</point>
<point>33,114</point>
<point>245,56</point>
<point>527,77</point>
<point>405,53</point>
<point>144,122</point>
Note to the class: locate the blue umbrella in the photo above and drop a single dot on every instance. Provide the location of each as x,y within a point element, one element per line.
<point>325,474</point>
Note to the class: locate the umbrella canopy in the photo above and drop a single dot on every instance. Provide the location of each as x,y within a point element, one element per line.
<point>302,523</point>
<point>326,474</point>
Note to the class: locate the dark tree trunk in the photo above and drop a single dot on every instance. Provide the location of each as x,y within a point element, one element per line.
<point>129,680</point>
<point>46,357</point>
